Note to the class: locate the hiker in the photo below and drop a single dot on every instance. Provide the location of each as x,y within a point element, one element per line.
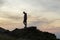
<point>25,19</point>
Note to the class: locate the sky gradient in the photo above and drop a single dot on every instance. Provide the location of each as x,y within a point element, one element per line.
<point>45,14</point>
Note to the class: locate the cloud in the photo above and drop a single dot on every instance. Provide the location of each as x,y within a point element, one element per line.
<point>14,17</point>
<point>9,15</point>
<point>52,5</point>
<point>45,5</point>
<point>38,22</point>
<point>1,2</point>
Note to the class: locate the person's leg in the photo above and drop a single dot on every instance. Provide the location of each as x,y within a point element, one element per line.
<point>25,25</point>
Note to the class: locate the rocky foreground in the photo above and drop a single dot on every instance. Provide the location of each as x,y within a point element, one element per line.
<point>29,33</point>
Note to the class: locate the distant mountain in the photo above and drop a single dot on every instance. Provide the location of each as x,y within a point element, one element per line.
<point>29,33</point>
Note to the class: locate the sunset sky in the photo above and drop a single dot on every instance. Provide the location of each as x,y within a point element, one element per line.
<point>45,14</point>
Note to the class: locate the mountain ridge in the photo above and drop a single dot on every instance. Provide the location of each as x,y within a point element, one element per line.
<point>29,33</point>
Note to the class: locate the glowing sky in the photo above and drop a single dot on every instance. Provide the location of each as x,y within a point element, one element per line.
<point>42,13</point>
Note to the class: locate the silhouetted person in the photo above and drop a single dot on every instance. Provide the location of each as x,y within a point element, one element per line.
<point>25,19</point>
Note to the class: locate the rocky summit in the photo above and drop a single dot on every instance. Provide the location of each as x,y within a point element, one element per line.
<point>29,33</point>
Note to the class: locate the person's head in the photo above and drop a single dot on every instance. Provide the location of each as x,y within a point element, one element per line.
<point>23,12</point>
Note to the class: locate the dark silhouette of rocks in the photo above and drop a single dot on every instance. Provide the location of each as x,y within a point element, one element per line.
<point>29,33</point>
